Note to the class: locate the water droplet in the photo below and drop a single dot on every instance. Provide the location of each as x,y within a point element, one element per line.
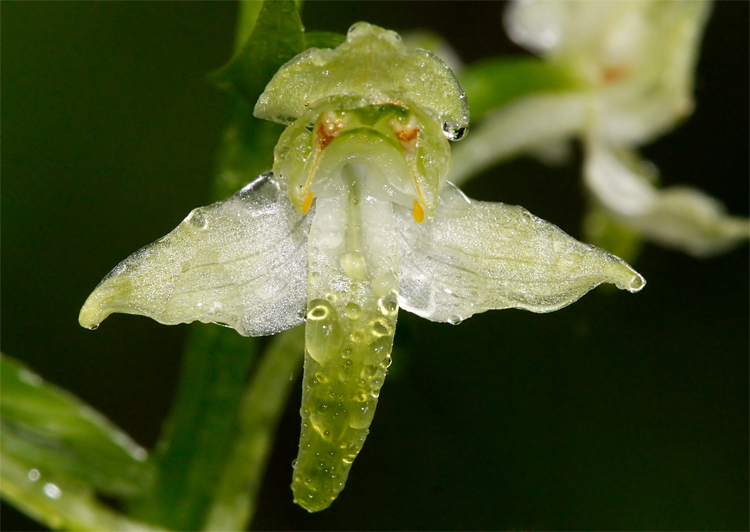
<point>357,336</point>
<point>319,312</point>
<point>389,304</point>
<point>455,320</point>
<point>323,331</point>
<point>353,263</point>
<point>347,351</point>
<point>320,428</point>
<point>380,328</point>
<point>360,396</point>
<point>353,311</point>
<point>92,327</point>
<point>52,491</point>
<point>361,418</point>
<point>197,220</point>
<point>34,475</point>
<point>454,131</point>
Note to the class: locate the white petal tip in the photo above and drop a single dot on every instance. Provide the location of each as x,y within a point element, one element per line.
<point>626,278</point>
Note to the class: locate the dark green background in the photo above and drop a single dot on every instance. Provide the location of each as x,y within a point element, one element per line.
<point>619,412</point>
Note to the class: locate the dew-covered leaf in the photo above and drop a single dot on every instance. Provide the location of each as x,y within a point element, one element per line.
<point>55,433</point>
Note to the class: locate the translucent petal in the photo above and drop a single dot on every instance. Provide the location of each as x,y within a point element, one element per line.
<point>679,217</point>
<point>373,64</point>
<point>614,181</point>
<point>351,320</point>
<point>475,256</point>
<point>240,262</point>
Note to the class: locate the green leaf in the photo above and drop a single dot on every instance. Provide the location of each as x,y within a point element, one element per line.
<point>54,432</point>
<point>246,19</point>
<point>60,502</point>
<point>246,150</point>
<point>272,35</point>
<point>323,39</point>
<point>495,82</point>
<point>276,37</point>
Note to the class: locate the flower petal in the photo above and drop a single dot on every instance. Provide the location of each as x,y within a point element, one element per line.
<point>241,262</point>
<point>374,66</point>
<point>476,256</point>
<point>638,57</point>
<point>679,217</point>
<point>351,320</point>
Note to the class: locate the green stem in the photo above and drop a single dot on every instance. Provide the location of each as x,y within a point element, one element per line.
<point>262,406</point>
<point>200,430</point>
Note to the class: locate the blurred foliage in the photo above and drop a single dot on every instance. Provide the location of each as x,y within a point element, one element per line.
<point>492,83</point>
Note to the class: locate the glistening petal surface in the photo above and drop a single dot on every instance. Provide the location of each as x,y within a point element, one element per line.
<point>240,262</point>
<point>475,256</point>
<point>373,64</point>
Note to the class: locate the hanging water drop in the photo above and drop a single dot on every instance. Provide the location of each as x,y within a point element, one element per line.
<point>454,131</point>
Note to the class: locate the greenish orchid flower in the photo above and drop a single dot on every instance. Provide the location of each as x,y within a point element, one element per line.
<point>632,63</point>
<point>356,220</point>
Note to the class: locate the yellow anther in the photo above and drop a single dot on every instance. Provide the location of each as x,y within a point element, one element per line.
<point>307,203</point>
<point>418,212</point>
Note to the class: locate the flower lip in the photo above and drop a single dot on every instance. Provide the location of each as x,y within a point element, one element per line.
<point>404,148</point>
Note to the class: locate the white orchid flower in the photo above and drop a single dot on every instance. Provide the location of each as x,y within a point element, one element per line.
<point>633,62</point>
<point>356,220</point>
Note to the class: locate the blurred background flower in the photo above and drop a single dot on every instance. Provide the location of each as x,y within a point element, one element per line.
<point>621,74</point>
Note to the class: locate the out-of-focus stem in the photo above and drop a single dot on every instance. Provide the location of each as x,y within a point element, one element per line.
<point>262,406</point>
